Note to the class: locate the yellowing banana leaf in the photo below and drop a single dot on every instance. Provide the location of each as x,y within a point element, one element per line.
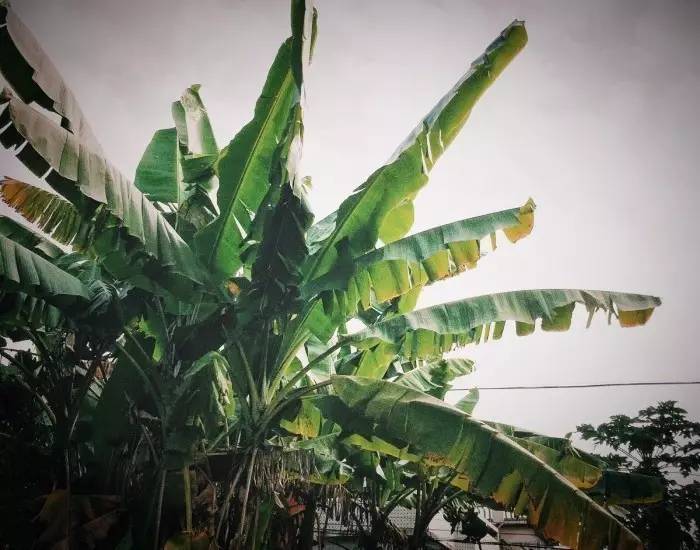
<point>488,463</point>
<point>382,206</point>
<point>28,239</point>
<point>431,331</point>
<point>22,270</point>
<point>306,423</point>
<point>420,259</point>
<point>625,488</point>
<point>75,166</point>
<point>244,165</point>
<point>586,471</point>
<point>33,76</point>
<point>52,214</point>
<point>562,445</point>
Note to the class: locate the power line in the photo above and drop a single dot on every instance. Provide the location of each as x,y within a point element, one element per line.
<point>570,386</point>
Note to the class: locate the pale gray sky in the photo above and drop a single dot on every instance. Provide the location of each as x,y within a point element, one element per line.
<point>597,120</point>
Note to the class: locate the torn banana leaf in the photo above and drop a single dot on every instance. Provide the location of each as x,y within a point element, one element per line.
<point>434,330</point>
<point>33,76</point>
<point>625,488</point>
<point>382,207</point>
<point>560,444</point>
<point>73,167</point>
<point>22,270</point>
<point>52,214</point>
<point>588,472</point>
<point>28,239</point>
<point>405,265</point>
<point>487,463</point>
<point>19,310</point>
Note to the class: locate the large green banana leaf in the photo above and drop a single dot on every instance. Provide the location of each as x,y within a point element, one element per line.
<point>244,165</point>
<point>159,175</point>
<point>22,270</point>
<point>488,463</point>
<point>33,76</point>
<point>284,216</point>
<point>431,331</point>
<point>432,255</point>
<point>74,164</point>
<point>51,213</point>
<point>28,239</point>
<point>579,468</point>
<point>381,208</point>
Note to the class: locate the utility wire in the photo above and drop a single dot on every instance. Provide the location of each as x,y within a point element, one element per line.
<point>564,387</point>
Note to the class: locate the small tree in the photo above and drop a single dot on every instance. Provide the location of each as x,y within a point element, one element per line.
<point>659,441</point>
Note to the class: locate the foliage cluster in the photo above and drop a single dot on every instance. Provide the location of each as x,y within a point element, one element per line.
<point>178,371</point>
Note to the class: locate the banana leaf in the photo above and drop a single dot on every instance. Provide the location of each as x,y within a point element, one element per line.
<point>22,270</point>
<point>51,213</point>
<point>434,330</point>
<point>468,403</point>
<point>487,463</point>
<point>198,153</point>
<point>33,76</point>
<point>405,265</point>
<point>244,165</point>
<point>159,175</point>
<point>435,377</point>
<point>381,208</point>
<point>28,239</point>
<point>75,167</point>
<point>586,471</point>
<point>19,310</point>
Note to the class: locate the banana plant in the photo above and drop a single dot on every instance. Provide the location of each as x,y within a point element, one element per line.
<point>222,310</point>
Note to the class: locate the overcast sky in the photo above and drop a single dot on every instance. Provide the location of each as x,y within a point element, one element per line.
<point>597,120</point>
